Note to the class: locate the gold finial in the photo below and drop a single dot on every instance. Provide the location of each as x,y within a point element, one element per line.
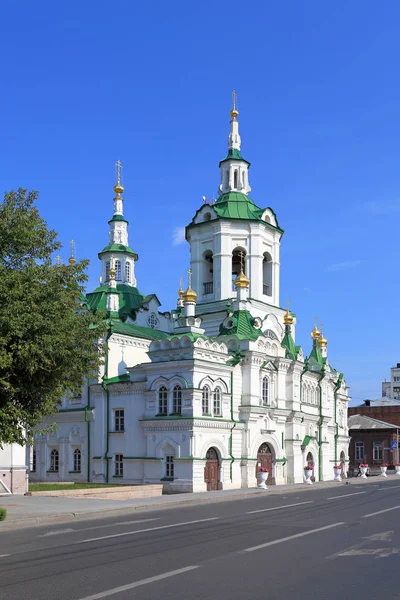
<point>118,187</point>
<point>72,259</point>
<point>322,341</point>
<point>288,317</point>
<point>234,111</point>
<point>112,268</point>
<point>241,280</point>
<point>315,332</point>
<point>181,293</point>
<point>58,260</point>
<point>189,295</point>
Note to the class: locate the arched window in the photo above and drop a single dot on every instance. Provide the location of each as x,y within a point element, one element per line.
<point>205,400</point>
<point>265,390</point>
<point>208,270</point>
<point>77,460</point>
<point>128,272</point>
<point>152,321</point>
<point>235,179</point>
<point>33,460</point>
<point>238,260</point>
<point>217,402</point>
<point>267,274</point>
<point>243,178</point>
<point>107,271</point>
<point>305,393</point>
<point>54,461</point>
<point>177,400</point>
<point>117,267</point>
<point>162,400</point>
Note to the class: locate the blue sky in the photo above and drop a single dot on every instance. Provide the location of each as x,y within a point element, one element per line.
<point>318,87</point>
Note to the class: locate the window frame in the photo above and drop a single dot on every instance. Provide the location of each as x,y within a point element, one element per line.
<point>118,465</point>
<point>169,466</point>
<point>34,460</point>
<point>77,457</point>
<point>162,400</point>
<point>217,402</point>
<point>377,449</point>
<point>54,461</point>
<point>118,418</point>
<point>359,450</point>
<point>205,400</point>
<point>128,271</point>
<point>265,390</point>
<point>177,400</point>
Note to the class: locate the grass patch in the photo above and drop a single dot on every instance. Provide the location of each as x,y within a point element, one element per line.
<point>44,487</point>
<point>3,514</point>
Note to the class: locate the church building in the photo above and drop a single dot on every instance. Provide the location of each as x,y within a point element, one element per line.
<point>204,396</point>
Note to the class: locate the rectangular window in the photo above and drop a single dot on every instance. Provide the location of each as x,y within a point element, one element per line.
<point>359,450</point>
<point>119,465</point>
<point>378,451</point>
<point>169,466</point>
<point>33,460</point>
<point>119,419</point>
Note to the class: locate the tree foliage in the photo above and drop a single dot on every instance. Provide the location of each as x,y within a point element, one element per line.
<point>49,341</point>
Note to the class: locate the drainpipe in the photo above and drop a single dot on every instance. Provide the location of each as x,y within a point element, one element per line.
<point>301,381</point>
<point>105,387</point>
<point>337,386</point>
<point>231,436</point>
<point>320,427</point>
<point>87,408</point>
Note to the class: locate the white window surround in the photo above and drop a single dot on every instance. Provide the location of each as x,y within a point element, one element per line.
<point>205,400</point>
<point>119,420</point>
<point>217,402</point>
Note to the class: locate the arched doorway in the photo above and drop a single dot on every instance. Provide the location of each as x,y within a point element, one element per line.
<point>264,460</point>
<point>310,462</point>
<point>343,464</point>
<point>211,470</point>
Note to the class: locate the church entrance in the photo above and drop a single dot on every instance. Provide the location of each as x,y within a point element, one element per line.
<point>211,470</point>
<point>310,462</point>
<point>264,460</point>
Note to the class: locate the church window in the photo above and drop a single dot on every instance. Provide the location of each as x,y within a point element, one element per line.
<point>117,267</point>
<point>119,419</point>
<point>169,466</point>
<point>162,400</point>
<point>54,461</point>
<point>208,271</point>
<point>305,393</point>
<point>235,179</point>
<point>177,400</point>
<point>119,465</point>
<point>128,272</point>
<point>152,321</point>
<point>267,274</point>
<point>265,390</point>
<point>205,400</point>
<point>107,270</point>
<point>359,450</point>
<point>77,460</point>
<point>217,403</point>
<point>33,460</point>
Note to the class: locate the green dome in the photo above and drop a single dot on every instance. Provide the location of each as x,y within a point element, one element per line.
<point>115,248</point>
<point>130,300</point>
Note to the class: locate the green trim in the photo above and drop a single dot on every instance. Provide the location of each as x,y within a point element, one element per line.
<point>118,218</point>
<point>335,391</point>
<point>117,476</point>
<point>141,457</point>
<point>105,387</point>
<point>119,249</point>
<point>283,440</point>
<point>70,472</point>
<point>119,379</point>
<point>234,154</point>
<point>243,326</point>
<point>307,439</point>
<point>216,419</point>
<point>97,458</point>
<point>281,460</point>
<point>66,410</point>
<point>167,478</point>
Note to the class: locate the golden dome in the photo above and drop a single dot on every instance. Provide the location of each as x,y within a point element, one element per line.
<point>118,188</point>
<point>190,295</point>
<point>315,333</point>
<point>322,342</point>
<point>181,293</point>
<point>242,281</point>
<point>71,261</point>
<point>288,317</point>
<point>234,113</point>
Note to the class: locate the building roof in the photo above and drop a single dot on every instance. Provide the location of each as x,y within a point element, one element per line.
<point>137,331</point>
<point>130,299</point>
<point>242,326</point>
<point>385,401</point>
<point>363,422</point>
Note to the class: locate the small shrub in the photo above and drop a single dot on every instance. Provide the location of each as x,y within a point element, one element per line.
<point>3,514</point>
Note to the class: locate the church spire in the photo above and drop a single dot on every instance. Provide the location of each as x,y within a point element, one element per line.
<point>234,168</point>
<point>118,189</point>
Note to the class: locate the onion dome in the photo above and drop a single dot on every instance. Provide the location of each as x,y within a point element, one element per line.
<point>118,188</point>
<point>181,292</point>
<point>322,342</point>
<point>189,295</point>
<point>242,281</point>
<point>315,333</point>
<point>71,261</point>
<point>288,317</point>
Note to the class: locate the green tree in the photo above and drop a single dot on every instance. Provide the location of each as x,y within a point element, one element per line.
<point>49,340</point>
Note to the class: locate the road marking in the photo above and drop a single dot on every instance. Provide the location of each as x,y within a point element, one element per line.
<point>115,535</point>
<point>292,537</point>
<point>135,584</point>
<point>4,555</point>
<point>252,512</point>
<point>379,512</point>
<point>377,552</point>
<point>345,495</point>
<point>70,530</point>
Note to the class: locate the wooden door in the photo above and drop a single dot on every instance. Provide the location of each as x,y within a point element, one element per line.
<point>211,470</point>
<point>264,460</point>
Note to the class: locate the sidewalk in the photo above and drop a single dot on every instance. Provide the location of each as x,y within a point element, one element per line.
<point>28,511</point>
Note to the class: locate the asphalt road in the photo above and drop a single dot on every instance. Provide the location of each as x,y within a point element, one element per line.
<point>330,543</point>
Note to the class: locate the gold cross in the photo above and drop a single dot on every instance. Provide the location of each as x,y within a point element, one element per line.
<point>180,284</point>
<point>189,272</point>
<point>315,321</point>
<point>72,244</point>
<point>321,325</point>
<point>288,304</point>
<point>118,166</point>
<point>241,256</point>
<point>58,260</point>
<point>234,98</point>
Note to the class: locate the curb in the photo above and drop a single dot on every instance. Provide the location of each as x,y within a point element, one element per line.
<point>22,523</point>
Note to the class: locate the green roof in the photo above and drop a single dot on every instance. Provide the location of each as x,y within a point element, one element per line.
<point>132,330</point>
<point>243,326</point>
<point>119,248</point>
<point>292,351</point>
<point>315,361</point>
<point>118,379</point>
<point>118,218</point>
<point>130,299</point>
<point>235,154</point>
